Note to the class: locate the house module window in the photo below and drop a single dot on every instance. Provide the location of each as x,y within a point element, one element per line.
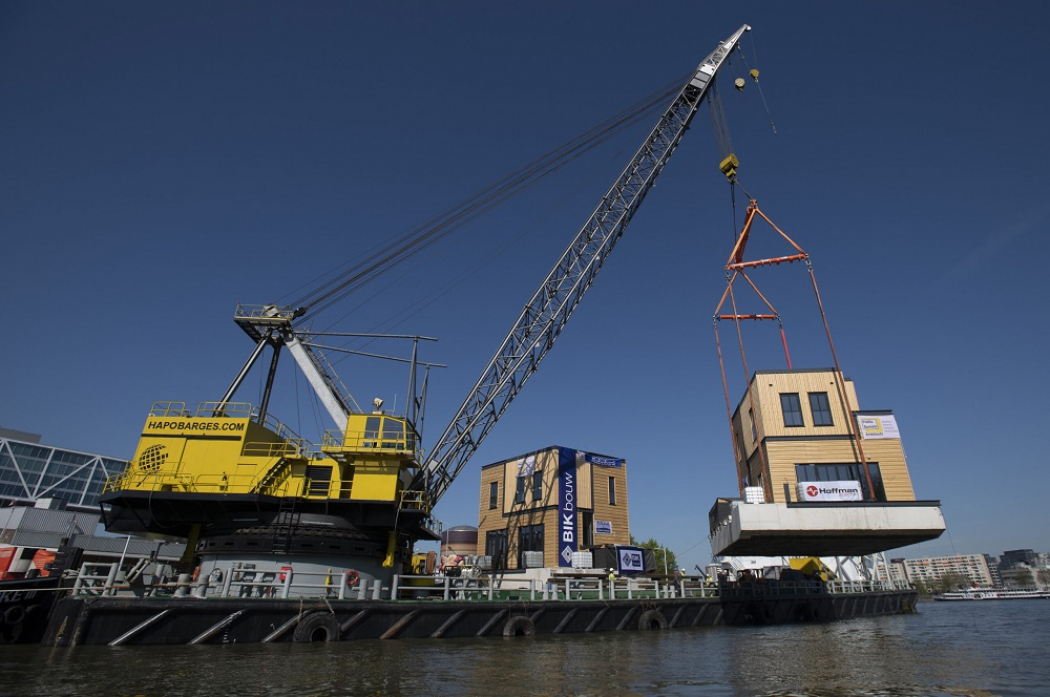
<point>612,491</point>
<point>530,539</point>
<point>494,495</point>
<point>496,547</point>
<point>519,492</point>
<point>791,405</point>
<point>537,486</point>
<point>821,408</point>
<point>754,428</point>
<point>845,472</point>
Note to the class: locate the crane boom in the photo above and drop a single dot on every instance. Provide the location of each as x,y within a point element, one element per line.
<point>544,316</point>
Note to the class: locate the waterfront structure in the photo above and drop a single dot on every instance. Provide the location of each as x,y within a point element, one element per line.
<point>972,567</point>
<point>1016,557</point>
<point>539,508</point>
<point>805,426</point>
<point>30,470</point>
<point>829,478</point>
<point>32,536</point>
<point>993,569</point>
<point>893,570</point>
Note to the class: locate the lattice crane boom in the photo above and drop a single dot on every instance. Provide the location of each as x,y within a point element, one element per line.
<point>544,316</point>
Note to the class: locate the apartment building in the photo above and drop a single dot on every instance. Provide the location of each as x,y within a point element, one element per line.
<point>551,502</point>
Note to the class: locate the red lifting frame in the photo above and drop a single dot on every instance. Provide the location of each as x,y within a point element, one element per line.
<point>735,268</point>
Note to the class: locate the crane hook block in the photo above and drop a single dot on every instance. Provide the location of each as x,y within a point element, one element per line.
<point>754,74</point>
<point>729,165</point>
<point>739,84</point>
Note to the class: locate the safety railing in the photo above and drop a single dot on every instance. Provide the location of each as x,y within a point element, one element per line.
<point>293,447</point>
<point>107,579</point>
<point>866,586</point>
<point>236,581</point>
<point>767,587</point>
<point>210,483</point>
<point>211,410</point>
<point>403,442</point>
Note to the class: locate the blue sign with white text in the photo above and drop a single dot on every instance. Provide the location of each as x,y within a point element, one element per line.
<point>567,502</point>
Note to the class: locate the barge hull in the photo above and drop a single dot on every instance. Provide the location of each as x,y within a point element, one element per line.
<point>128,621</point>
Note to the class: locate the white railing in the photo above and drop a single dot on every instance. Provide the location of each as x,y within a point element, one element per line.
<point>95,579</point>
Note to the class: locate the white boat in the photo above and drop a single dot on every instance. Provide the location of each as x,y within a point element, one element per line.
<point>993,594</point>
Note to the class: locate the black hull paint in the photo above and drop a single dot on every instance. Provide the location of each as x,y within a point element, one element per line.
<point>119,621</point>
<point>25,605</point>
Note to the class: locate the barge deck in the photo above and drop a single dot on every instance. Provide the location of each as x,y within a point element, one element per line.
<point>456,608</point>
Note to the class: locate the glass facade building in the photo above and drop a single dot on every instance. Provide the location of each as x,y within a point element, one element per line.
<point>30,470</point>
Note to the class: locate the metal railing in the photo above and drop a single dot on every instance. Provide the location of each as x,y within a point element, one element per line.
<point>399,442</point>
<point>107,579</point>
<point>218,410</point>
<point>210,483</point>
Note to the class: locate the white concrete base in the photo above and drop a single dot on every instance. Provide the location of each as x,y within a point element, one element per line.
<point>777,529</point>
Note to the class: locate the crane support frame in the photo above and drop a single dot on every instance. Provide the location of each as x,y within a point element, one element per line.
<point>545,315</point>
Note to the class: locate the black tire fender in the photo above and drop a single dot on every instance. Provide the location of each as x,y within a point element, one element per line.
<point>317,626</point>
<point>519,625</point>
<point>652,619</point>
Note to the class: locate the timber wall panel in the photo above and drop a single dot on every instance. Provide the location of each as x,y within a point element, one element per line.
<point>784,455</point>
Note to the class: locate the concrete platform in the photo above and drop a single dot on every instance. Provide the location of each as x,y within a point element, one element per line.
<point>821,529</point>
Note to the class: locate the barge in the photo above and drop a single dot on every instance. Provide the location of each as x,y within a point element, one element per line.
<point>256,607</point>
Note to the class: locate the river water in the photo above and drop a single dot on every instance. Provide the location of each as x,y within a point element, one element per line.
<point>970,648</point>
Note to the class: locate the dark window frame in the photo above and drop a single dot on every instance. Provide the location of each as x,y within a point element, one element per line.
<point>493,495</point>
<point>519,491</point>
<point>612,491</point>
<point>795,412</point>
<point>821,410</point>
<point>844,471</point>
<point>537,486</point>
<point>530,539</point>
<point>496,547</point>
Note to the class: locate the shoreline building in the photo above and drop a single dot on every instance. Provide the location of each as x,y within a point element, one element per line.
<point>538,509</point>
<point>30,470</point>
<point>973,567</point>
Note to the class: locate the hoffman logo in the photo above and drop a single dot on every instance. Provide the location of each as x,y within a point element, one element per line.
<point>812,490</point>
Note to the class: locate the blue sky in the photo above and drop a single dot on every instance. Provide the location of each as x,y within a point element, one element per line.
<point>163,162</point>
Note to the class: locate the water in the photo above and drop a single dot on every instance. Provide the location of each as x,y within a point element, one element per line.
<point>973,649</point>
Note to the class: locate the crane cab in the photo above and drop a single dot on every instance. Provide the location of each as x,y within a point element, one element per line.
<point>378,452</point>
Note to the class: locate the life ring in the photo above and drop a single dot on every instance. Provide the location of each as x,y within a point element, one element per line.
<point>352,577</point>
<point>519,625</point>
<point>317,626</point>
<point>652,619</point>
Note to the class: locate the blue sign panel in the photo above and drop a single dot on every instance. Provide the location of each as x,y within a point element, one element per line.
<point>567,502</point>
<point>630,560</point>
<point>603,461</point>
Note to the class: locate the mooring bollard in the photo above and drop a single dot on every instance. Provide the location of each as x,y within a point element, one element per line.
<point>182,587</point>
<point>201,590</point>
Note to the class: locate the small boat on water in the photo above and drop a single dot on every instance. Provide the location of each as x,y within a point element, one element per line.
<point>25,605</point>
<point>994,594</point>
